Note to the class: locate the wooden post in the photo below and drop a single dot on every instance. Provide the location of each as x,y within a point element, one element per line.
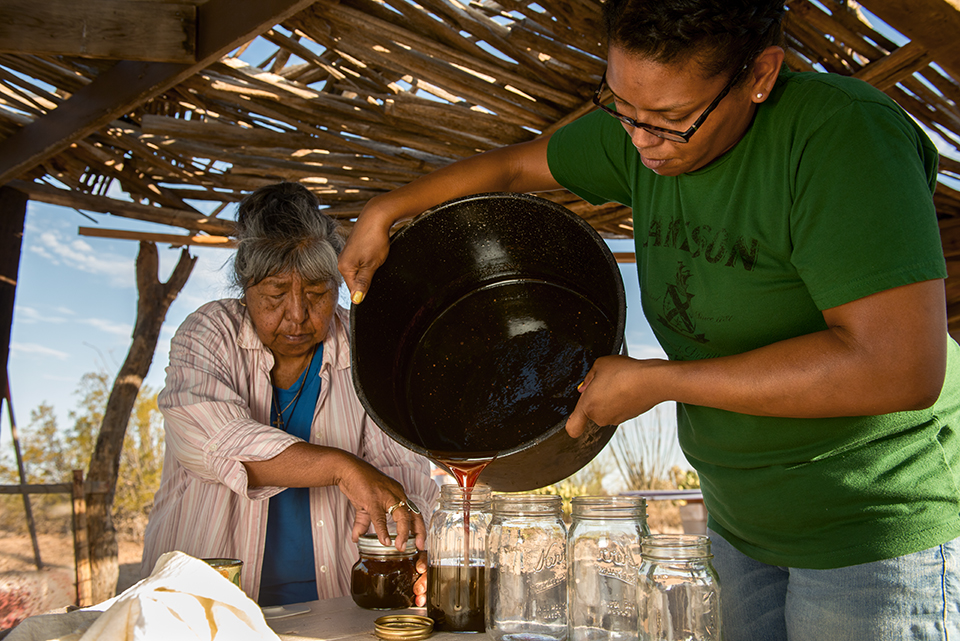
<point>81,551</point>
<point>13,213</point>
<point>153,300</point>
<point>27,508</point>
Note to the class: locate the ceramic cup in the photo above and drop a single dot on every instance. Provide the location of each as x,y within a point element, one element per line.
<point>229,568</point>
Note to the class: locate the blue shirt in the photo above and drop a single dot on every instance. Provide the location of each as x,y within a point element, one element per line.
<point>288,563</point>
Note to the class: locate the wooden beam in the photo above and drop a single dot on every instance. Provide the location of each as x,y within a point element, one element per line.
<point>114,29</point>
<point>933,23</point>
<point>175,240</point>
<point>625,257</point>
<point>96,487</point>
<point>222,25</point>
<point>190,220</point>
<point>891,69</point>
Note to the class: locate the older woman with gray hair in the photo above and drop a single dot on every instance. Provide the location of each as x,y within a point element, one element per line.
<point>270,457</point>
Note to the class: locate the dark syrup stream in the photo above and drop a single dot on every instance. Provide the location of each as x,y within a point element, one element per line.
<point>466,473</point>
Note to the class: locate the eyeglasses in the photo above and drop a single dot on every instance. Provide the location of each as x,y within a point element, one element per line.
<point>660,132</point>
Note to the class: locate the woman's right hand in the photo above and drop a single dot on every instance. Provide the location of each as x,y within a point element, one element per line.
<point>365,250</point>
<point>371,492</point>
<point>376,497</point>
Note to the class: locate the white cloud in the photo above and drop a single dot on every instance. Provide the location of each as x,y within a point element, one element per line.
<point>110,327</point>
<point>80,255</point>
<point>31,315</point>
<point>37,350</point>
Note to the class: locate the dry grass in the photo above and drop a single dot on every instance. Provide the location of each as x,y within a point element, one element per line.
<point>663,517</point>
<point>56,553</point>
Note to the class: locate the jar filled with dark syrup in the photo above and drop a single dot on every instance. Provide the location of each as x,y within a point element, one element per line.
<point>383,576</point>
<point>456,546</point>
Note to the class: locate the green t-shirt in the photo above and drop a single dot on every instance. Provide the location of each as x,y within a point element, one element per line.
<point>825,200</point>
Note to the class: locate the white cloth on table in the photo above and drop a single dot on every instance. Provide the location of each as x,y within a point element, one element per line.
<point>183,599</point>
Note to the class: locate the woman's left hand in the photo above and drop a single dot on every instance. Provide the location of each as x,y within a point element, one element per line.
<point>420,584</point>
<point>616,389</point>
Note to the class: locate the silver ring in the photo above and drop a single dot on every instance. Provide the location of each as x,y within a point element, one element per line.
<point>410,506</point>
<point>393,507</point>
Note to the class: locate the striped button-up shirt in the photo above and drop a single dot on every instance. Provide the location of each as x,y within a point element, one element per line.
<point>216,409</point>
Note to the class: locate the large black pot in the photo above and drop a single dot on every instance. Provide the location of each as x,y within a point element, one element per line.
<point>476,331</point>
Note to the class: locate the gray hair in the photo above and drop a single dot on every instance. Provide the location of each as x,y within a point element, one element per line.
<point>281,229</point>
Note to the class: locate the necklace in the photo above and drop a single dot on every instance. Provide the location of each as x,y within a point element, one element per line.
<point>280,423</point>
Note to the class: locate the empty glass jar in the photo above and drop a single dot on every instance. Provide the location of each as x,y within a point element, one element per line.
<point>456,551</point>
<point>679,596</point>
<point>527,569</point>
<point>603,551</point>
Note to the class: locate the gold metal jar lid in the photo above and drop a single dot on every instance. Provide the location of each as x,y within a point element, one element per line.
<point>370,545</point>
<point>403,627</point>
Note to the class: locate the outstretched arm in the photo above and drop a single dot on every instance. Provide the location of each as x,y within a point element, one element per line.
<point>882,353</point>
<point>517,168</point>
<point>371,492</point>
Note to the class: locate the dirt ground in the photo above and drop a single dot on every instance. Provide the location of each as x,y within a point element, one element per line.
<point>56,553</point>
<point>26,591</point>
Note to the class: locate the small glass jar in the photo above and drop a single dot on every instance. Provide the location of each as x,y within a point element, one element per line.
<point>527,568</point>
<point>679,596</point>
<point>456,550</point>
<point>603,551</point>
<point>383,576</point>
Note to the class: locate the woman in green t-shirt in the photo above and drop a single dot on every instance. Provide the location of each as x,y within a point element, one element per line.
<point>790,265</point>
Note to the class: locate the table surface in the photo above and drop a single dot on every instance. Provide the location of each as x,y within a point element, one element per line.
<point>667,495</point>
<point>341,619</point>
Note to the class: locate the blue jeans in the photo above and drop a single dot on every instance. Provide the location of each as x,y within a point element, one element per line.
<point>914,597</point>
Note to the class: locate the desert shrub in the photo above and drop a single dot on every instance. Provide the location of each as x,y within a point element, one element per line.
<point>50,455</point>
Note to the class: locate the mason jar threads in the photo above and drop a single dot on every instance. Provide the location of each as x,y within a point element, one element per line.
<point>679,593</point>
<point>456,552</point>
<point>383,576</point>
<point>527,569</point>
<point>603,553</point>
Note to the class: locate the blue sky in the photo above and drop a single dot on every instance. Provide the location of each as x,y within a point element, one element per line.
<point>76,305</point>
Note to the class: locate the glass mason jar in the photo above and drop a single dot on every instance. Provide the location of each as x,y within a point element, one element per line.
<point>603,552</point>
<point>456,550</point>
<point>527,569</point>
<point>383,576</point>
<point>679,590</point>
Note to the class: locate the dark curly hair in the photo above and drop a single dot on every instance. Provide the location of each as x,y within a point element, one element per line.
<point>722,34</point>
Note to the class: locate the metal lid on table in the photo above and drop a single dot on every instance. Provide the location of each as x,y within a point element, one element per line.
<point>403,627</point>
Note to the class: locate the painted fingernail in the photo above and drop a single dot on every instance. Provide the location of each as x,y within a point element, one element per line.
<point>357,297</point>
